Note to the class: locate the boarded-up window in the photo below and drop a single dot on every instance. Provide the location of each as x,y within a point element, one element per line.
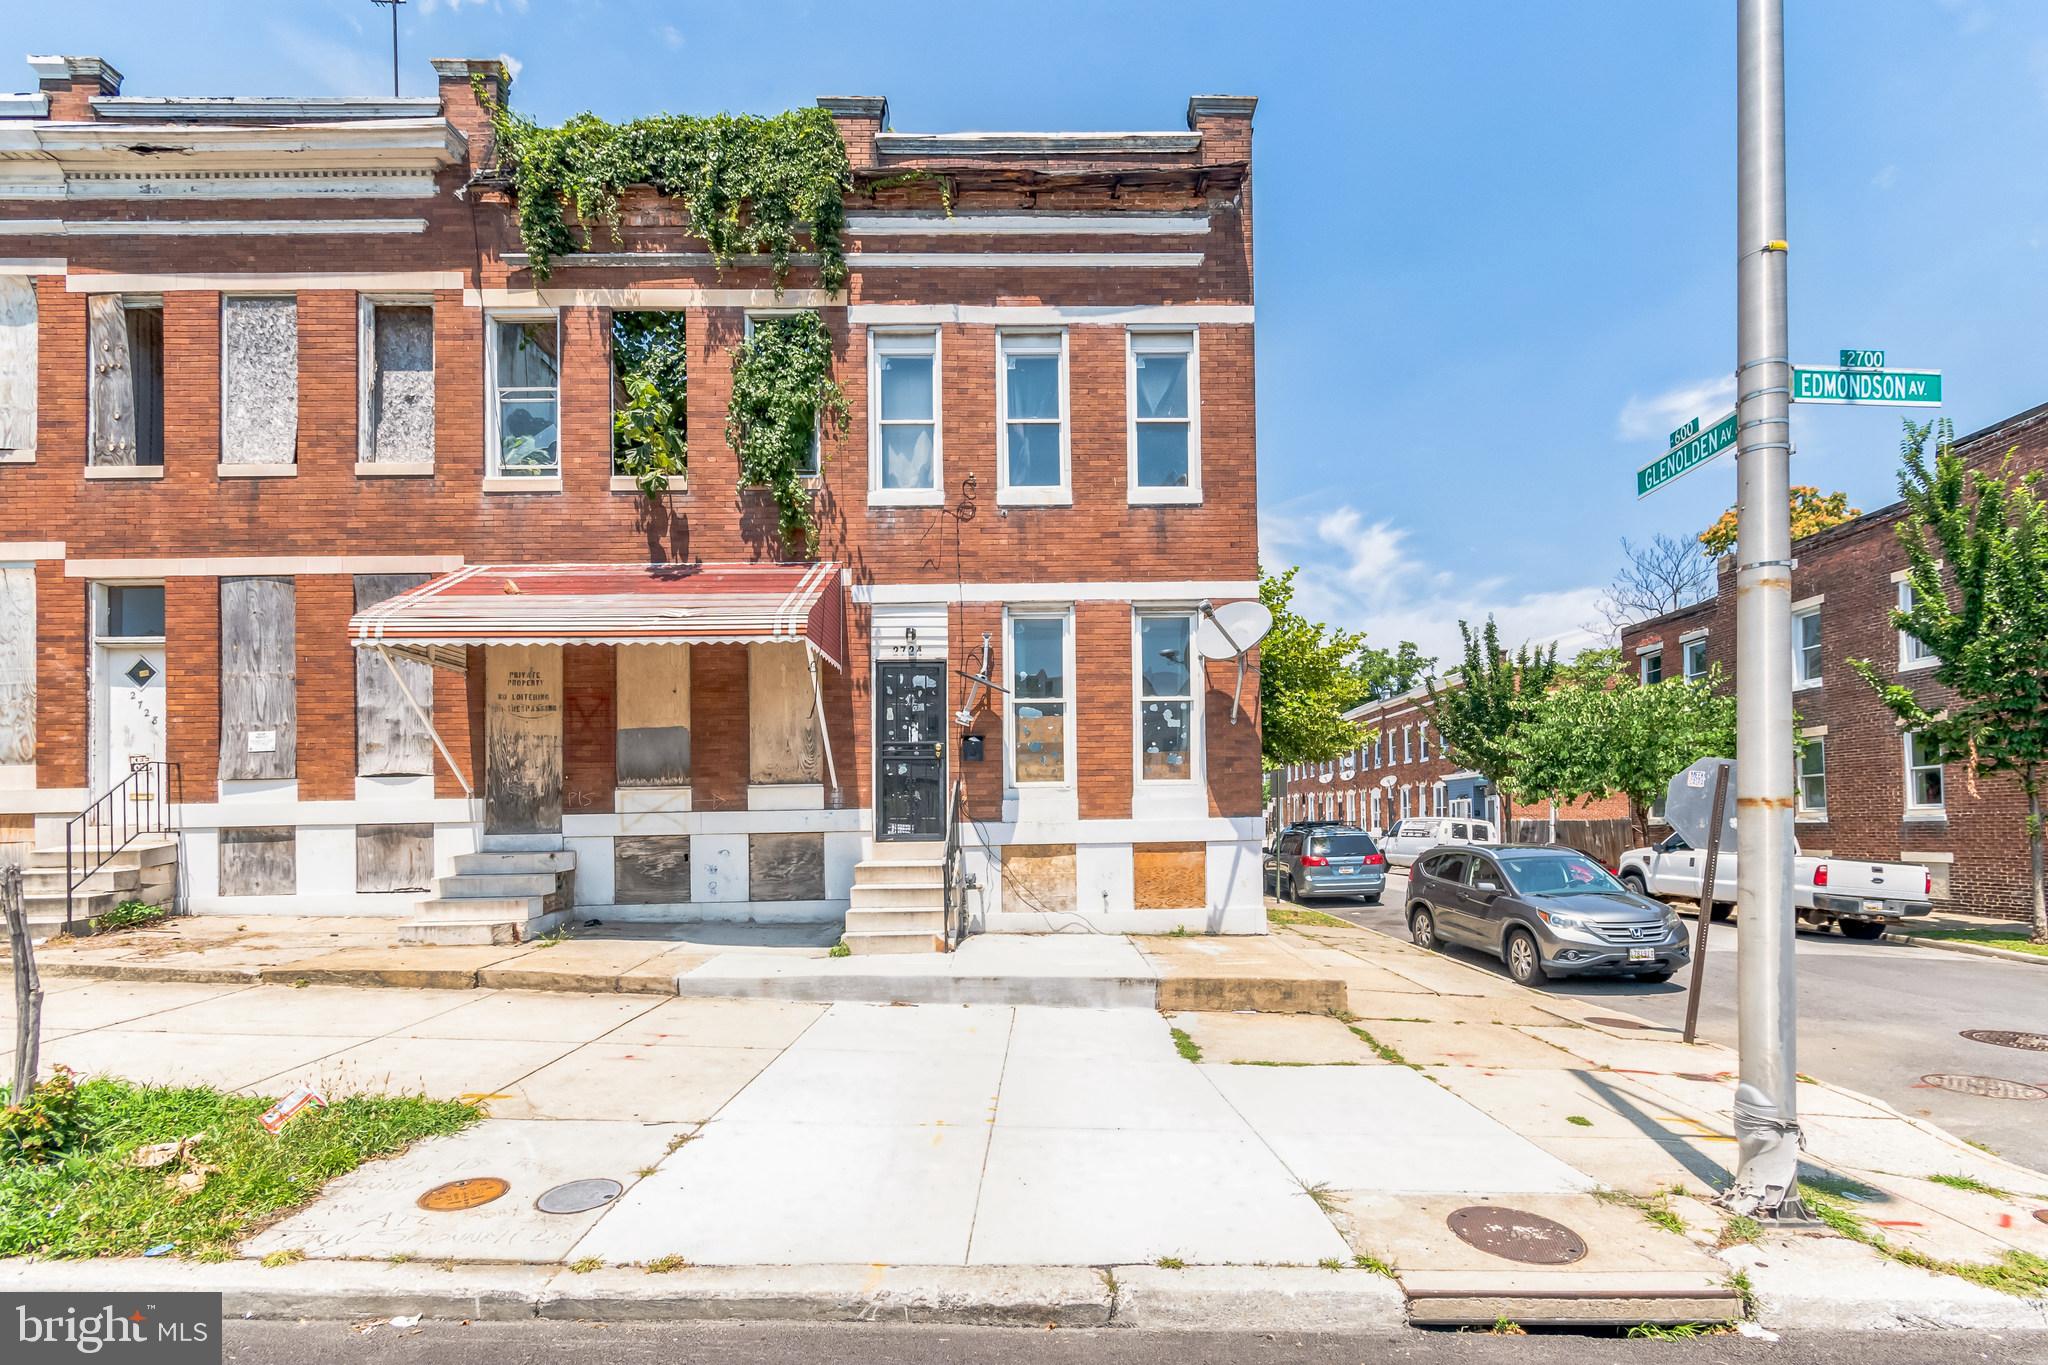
<point>261,860</point>
<point>258,678</point>
<point>782,729</point>
<point>654,716</point>
<point>651,869</point>
<point>397,346</point>
<point>259,381</point>
<point>390,739</point>
<point>126,355</point>
<point>17,367</point>
<point>1039,879</point>
<point>17,664</point>
<point>1169,876</point>
<point>786,867</point>
<point>394,857</point>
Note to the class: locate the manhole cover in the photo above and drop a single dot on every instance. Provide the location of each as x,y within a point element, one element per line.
<point>579,1196</point>
<point>457,1195</point>
<point>2005,1037</point>
<point>1612,1022</point>
<point>1990,1087</point>
<point>1514,1235</point>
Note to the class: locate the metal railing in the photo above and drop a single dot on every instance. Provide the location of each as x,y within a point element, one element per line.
<point>956,899</point>
<point>141,803</point>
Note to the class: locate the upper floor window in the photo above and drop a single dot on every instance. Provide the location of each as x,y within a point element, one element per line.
<point>1407,744</point>
<point>526,395</point>
<point>1163,398</point>
<point>1912,653</point>
<point>1695,659</point>
<point>395,371</point>
<point>1652,665</point>
<point>1166,728</point>
<point>650,395</point>
<point>259,380</point>
<point>1031,395</point>
<point>1923,777</point>
<point>126,357</point>
<point>1422,741</point>
<point>1806,660</point>
<point>17,369</point>
<point>904,379</point>
<point>1813,777</point>
<point>1039,703</point>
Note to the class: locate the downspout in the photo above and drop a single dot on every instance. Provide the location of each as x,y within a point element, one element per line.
<point>425,720</point>
<point>818,709</point>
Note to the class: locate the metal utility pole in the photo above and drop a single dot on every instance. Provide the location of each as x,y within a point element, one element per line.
<point>1766,1101</point>
<point>393,6</point>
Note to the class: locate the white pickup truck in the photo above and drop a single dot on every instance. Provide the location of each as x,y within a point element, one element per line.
<point>1863,898</point>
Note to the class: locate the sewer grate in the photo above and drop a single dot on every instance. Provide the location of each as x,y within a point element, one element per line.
<point>1517,1235</point>
<point>469,1193</point>
<point>2005,1037</point>
<point>1611,1021</point>
<point>579,1196</point>
<point>1989,1087</point>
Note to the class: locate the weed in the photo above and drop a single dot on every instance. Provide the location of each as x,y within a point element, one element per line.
<point>664,1265</point>
<point>1110,1284</point>
<point>680,1141</point>
<point>585,1265</point>
<point>2019,1273</point>
<point>1745,1290</point>
<point>1381,1050</point>
<point>129,914</point>
<point>559,934</point>
<point>1171,1263</point>
<point>1666,1219</point>
<point>1249,1063</point>
<point>1329,1263</point>
<point>1508,1327</point>
<point>283,1256</point>
<point>1322,1195</point>
<point>840,949</point>
<point>1186,1046</point>
<point>1373,1263</point>
<point>1578,1119</point>
<point>1680,1331</point>
<point>1290,916</point>
<point>1964,1182</point>
<point>645,1171</point>
<point>49,1123</point>
<point>1740,1231</point>
<point>400,1258</point>
<point>1178,931</point>
<point>1841,1187</point>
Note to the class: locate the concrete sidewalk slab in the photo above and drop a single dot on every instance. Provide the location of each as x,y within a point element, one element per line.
<point>1647,1166</point>
<point>1831,1285</point>
<point>920,1031</point>
<point>1282,1038</point>
<point>1634,1054</point>
<point>227,1061</point>
<point>310,1011</point>
<point>1090,971</point>
<point>593,965</point>
<point>103,1004</point>
<point>441,1068</point>
<point>1084,1036</point>
<point>528,1016</point>
<point>1132,1095</point>
<point>444,968</point>
<point>1221,974</point>
<point>1103,1196</point>
<point>637,1082</point>
<point>812,1086</point>
<point>373,1211</point>
<point>1465,1045</point>
<point>719,1023</point>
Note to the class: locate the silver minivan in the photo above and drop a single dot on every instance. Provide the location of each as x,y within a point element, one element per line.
<point>1326,860</point>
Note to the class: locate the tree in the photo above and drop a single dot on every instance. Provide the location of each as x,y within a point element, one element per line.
<point>1811,514</point>
<point>1594,737</point>
<point>1390,672</point>
<point>1991,641</point>
<point>1307,682</point>
<point>1662,576</point>
<point>1480,719</point>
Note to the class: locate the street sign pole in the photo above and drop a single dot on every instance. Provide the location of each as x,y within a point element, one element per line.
<point>1718,813</point>
<point>1766,1100</point>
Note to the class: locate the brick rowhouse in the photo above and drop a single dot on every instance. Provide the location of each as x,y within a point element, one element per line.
<point>1857,797</point>
<point>320,301</point>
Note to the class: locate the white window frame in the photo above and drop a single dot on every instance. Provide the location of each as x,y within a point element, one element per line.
<point>1913,655</point>
<point>1816,743</point>
<point>1407,803</point>
<point>1914,810</point>
<point>27,354</point>
<point>494,475</point>
<point>1801,679</point>
<point>1687,646</point>
<point>816,472</point>
<point>1193,698</point>
<point>902,341</point>
<point>1062,493</point>
<point>1377,811</point>
<point>1407,744</point>
<point>366,378</point>
<point>1163,341</point>
<point>103,608</point>
<point>1648,657</point>
<point>1422,741</point>
<point>1065,616</point>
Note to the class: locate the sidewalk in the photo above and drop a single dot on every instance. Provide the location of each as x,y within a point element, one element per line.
<point>995,1157</point>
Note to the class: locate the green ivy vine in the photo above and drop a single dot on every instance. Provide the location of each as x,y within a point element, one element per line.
<point>750,183</point>
<point>651,364</point>
<point>783,395</point>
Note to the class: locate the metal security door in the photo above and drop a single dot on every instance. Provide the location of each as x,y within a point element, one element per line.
<point>910,750</point>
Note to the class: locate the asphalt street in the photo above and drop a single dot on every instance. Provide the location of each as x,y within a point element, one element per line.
<point>1875,1017</point>
<point>744,1343</point>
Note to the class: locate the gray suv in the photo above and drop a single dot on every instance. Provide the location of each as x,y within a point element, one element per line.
<point>1326,860</point>
<point>1544,912</point>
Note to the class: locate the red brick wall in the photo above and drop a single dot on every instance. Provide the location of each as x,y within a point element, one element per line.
<point>192,684</point>
<point>327,686</point>
<point>62,613</point>
<point>590,753</point>
<point>718,727</point>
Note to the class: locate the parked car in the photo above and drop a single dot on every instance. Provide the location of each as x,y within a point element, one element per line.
<point>1862,898</point>
<point>1413,837</point>
<point>1544,912</point>
<point>1322,859</point>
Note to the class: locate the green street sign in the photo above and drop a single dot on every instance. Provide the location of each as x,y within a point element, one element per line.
<point>1877,388</point>
<point>1684,458</point>
<point>1685,433</point>
<point>1862,360</point>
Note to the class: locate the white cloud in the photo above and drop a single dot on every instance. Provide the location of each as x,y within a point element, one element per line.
<point>1359,575</point>
<point>1656,416</point>
<point>671,35</point>
<point>513,66</point>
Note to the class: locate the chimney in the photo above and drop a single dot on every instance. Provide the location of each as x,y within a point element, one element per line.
<point>72,82</point>
<point>459,102</point>
<point>859,118</point>
<point>1225,123</point>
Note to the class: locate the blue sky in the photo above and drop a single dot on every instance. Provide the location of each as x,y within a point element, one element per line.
<point>1495,238</point>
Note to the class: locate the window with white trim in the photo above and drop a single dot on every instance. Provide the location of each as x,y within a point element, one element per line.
<point>1813,777</point>
<point>1806,656</point>
<point>1407,744</point>
<point>526,395</point>
<point>1912,653</point>
<point>1031,396</point>
<point>1166,696</point>
<point>1923,778</point>
<point>1436,799</point>
<point>1376,811</point>
<point>1422,741</point>
<point>1695,659</point>
<point>903,376</point>
<point>395,376</point>
<point>17,369</point>
<point>1652,667</point>
<point>1163,400</point>
<point>1039,701</point>
<point>1407,802</point>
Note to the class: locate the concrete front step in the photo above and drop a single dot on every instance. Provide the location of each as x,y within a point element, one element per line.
<point>923,850</point>
<point>520,843</point>
<point>864,943</point>
<point>860,921</point>
<point>150,850</point>
<point>900,871</point>
<point>537,862</point>
<point>49,881</point>
<point>446,908</point>
<point>498,884</point>
<point>886,896</point>
<point>84,904</point>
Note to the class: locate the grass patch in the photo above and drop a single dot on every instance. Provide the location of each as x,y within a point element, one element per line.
<point>1579,1120</point>
<point>840,950</point>
<point>1655,1209</point>
<point>666,1265</point>
<point>1745,1289</point>
<point>2018,1273</point>
<point>585,1265</point>
<point>1294,916</point>
<point>2013,940</point>
<point>1841,1187</point>
<point>1380,1049</point>
<point>1329,1263</point>
<point>1666,1219</point>
<point>1171,1263</point>
<point>559,934</point>
<point>1740,1230</point>
<point>92,1202</point>
<point>1508,1327</point>
<point>285,1256</point>
<point>1682,1331</point>
<point>1186,1046</point>
<point>129,915</point>
<point>1322,1196</point>
<point>1964,1182</point>
<point>1373,1263</point>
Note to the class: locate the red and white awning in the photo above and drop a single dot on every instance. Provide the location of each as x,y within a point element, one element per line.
<point>611,604</point>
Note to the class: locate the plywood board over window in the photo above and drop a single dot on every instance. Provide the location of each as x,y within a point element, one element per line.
<point>391,741</point>
<point>17,664</point>
<point>782,731</point>
<point>111,391</point>
<point>651,869</point>
<point>17,367</point>
<point>786,867</point>
<point>259,386</point>
<point>261,860</point>
<point>258,679</point>
<point>397,346</point>
<point>522,739</point>
<point>1039,879</point>
<point>654,716</point>
<point>1169,876</point>
<point>394,858</point>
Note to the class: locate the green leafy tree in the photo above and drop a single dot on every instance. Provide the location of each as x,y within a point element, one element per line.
<point>1812,512</point>
<point>650,359</point>
<point>1307,681</point>
<point>1598,735</point>
<point>1480,720</point>
<point>783,397</point>
<point>1989,634</point>
<point>1390,672</point>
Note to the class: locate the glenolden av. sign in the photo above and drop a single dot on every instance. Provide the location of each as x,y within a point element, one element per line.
<point>1690,448</point>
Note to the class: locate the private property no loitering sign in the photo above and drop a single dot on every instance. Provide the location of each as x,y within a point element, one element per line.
<point>1690,448</point>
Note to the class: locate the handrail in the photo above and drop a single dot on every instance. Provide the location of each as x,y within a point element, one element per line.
<point>94,836</point>
<point>956,907</point>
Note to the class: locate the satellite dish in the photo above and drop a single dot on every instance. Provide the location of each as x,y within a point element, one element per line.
<point>1230,632</point>
<point>1388,782</point>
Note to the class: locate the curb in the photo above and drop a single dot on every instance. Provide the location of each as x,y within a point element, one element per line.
<point>1950,945</point>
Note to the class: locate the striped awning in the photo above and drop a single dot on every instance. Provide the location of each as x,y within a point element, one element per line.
<point>610,604</point>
